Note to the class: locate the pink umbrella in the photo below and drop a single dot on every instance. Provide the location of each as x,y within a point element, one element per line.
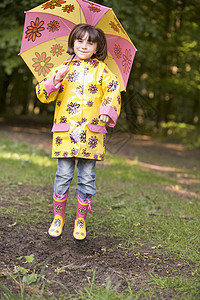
<point>48,26</point>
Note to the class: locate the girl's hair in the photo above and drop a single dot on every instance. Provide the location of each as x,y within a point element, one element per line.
<point>96,35</point>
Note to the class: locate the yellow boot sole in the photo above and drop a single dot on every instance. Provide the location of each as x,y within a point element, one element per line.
<point>80,229</point>
<point>56,227</point>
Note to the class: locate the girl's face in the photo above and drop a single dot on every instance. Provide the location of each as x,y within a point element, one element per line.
<point>83,48</point>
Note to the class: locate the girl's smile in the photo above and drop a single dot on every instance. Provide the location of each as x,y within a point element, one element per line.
<point>83,48</point>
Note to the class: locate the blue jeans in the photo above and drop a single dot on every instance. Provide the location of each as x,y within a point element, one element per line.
<point>86,177</point>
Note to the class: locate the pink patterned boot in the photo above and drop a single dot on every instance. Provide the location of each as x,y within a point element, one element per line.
<point>57,225</point>
<point>84,205</point>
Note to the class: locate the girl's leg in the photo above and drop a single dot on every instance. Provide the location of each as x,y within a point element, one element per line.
<point>86,178</point>
<point>64,175</point>
<point>86,189</point>
<point>63,178</point>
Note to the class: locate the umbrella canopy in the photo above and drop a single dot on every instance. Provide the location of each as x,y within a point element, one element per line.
<point>46,31</point>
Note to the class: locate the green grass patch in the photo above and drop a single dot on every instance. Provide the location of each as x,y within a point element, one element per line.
<point>132,204</point>
<point>181,132</point>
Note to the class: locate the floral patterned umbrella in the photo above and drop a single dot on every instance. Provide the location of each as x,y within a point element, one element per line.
<point>46,31</point>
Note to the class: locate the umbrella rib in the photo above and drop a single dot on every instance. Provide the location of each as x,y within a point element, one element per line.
<point>114,37</point>
<point>109,56</point>
<point>80,14</point>
<point>65,24</point>
<point>57,39</point>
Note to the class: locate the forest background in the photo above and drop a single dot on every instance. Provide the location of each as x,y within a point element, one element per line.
<point>163,93</point>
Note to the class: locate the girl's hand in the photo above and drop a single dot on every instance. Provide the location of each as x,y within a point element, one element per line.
<point>104,118</point>
<point>60,75</point>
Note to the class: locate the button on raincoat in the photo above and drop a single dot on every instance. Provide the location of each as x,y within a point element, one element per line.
<point>89,90</point>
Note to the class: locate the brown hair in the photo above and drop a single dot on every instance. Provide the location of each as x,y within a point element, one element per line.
<point>96,35</point>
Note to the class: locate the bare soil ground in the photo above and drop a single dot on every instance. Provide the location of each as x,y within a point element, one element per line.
<point>73,263</point>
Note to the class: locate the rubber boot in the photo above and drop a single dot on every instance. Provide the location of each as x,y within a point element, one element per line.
<point>84,205</point>
<point>57,225</point>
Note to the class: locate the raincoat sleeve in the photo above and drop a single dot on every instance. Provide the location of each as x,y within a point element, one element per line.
<point>45,90</point>
<point>111,102</point>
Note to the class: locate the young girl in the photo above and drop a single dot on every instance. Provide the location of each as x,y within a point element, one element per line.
<point>87,98</point>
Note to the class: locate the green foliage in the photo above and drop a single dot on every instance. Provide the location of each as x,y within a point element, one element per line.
<point>165,70</point>
<point>15,77</point>
<point>11,24</point>
<point>181,132</point>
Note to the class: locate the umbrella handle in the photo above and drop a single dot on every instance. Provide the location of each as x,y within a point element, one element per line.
<point>62,74</point>
<point>72,58</point>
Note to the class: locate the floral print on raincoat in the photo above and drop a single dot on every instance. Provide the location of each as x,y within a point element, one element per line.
<point>89,90</point>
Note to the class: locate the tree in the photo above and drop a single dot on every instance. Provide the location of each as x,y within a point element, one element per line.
<point>13,72</point>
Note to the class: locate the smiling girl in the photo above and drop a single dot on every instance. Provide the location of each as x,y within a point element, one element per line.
<point>87,98</point>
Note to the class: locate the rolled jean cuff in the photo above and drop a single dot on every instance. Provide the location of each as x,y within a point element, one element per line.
<point>60,197</point>
<point>83,196</point>
<point>83,201</point>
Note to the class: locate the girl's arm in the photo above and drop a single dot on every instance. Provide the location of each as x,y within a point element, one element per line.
<point>47,89</point>
<point>111,102</point>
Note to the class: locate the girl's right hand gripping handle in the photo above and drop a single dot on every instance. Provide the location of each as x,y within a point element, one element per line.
<point>60,75</point>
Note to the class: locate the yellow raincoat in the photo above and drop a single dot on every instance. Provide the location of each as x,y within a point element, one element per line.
<point>89,90</point>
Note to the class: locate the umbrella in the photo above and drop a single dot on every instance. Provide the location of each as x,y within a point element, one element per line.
<point>46,31</point>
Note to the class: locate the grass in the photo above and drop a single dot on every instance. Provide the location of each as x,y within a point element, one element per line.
<point>135,206</point>
<point>181,132</point>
